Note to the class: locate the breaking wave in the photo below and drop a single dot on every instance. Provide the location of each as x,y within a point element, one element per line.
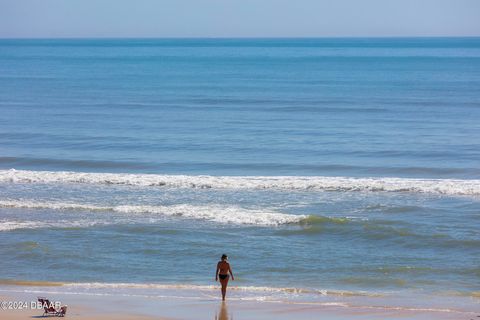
<point>347,184</point>
<point>212,213</point>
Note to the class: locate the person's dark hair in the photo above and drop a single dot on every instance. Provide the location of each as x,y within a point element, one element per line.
<point>224,256</point>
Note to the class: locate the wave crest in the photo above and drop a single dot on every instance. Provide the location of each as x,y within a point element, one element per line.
<point>213,213</point>
<point>350,184</point>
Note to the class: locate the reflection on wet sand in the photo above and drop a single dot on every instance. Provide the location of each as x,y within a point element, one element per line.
<point>222,313</point>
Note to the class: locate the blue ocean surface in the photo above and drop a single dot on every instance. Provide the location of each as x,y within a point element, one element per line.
<point>318,165</point>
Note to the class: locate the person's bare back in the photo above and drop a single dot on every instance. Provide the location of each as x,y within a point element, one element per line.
<point>223,267</point>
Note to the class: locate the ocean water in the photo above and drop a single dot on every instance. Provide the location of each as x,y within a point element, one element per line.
<point>323,166</point>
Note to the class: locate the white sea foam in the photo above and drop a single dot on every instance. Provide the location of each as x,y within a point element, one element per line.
<point>438,186</point>
<point>6,225</point>
<point>213,213</point>
<point>193,287</point>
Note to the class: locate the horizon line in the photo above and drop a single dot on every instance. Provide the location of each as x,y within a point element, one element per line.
<point>234,37</point>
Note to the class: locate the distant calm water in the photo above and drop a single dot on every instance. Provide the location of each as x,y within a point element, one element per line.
<point>318,164</point>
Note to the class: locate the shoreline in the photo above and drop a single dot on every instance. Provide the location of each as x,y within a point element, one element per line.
<point>196,304</point>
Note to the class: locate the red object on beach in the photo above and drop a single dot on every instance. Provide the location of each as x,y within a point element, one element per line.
<point>49,309</point>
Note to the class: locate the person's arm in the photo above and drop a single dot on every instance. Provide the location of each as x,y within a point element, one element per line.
<point>230,270</point>
<point>216,272</point>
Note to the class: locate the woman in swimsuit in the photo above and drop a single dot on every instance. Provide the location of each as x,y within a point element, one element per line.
<point>223,269</point>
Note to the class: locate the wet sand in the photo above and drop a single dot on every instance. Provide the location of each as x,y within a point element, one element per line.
<point>87,306</point>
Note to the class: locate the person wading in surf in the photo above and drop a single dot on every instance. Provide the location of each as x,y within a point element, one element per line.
<point>223,269</point>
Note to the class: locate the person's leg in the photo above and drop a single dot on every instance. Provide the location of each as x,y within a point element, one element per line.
<point>224,288</point>
<point>224,283</point>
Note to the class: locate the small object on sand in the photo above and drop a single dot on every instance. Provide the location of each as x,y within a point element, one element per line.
<point>49,308</point>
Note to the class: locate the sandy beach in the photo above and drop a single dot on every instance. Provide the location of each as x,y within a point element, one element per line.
<point>111,306</point>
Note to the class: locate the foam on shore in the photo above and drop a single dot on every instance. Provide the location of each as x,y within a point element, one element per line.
<point>193,287</point>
